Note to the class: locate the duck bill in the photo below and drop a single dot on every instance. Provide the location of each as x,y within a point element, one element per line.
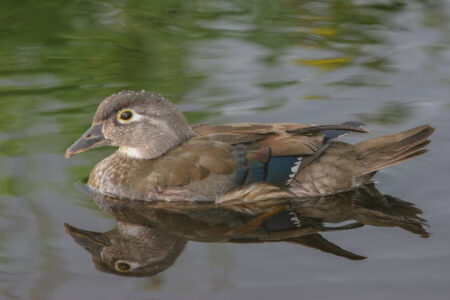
<point>92,138</point>
<point>93,242</point>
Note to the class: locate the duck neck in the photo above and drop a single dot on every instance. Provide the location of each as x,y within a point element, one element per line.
<point>158,147</point>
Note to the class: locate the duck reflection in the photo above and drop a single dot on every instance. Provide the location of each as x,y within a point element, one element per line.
<point>149,236</point>
<point>130,249</point>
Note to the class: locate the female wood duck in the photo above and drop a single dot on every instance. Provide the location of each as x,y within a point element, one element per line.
<point>161,157</point>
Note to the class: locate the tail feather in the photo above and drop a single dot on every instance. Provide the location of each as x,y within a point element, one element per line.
<point>412,150</point>
<point>388,150</point>
<point>318,242</point>
<point>404,156</point>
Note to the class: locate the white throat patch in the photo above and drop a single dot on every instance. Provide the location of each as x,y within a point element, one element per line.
<point>131,152</point>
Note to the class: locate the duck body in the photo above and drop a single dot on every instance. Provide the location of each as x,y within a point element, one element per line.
<point>162,158</point>
<point>206,169</point>
<point>180,174</point>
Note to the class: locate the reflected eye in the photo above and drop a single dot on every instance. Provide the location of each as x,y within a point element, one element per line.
<point>122,266</point>
<point>125,115</point>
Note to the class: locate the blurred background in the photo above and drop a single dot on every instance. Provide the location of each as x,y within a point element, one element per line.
<point>384,62</point>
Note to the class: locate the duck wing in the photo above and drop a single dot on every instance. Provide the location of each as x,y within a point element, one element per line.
<point>284,139</point>
<point>243,164</point>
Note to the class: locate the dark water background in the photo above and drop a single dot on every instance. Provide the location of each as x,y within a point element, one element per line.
<point>384,62</point>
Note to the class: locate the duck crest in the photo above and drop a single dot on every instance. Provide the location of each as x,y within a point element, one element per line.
<point>124,99</point>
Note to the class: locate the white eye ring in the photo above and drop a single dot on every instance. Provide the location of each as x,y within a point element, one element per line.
<point>128,115</point>
<point>129,266</point>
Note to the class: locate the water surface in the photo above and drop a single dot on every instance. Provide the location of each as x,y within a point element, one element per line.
<point>382,62</point>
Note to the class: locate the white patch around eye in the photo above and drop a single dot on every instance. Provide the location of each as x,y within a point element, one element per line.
<point>132,265</point>
<point>134,118</point>
<point>137,117</point>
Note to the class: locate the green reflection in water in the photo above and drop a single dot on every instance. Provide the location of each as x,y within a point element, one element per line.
<point>58,59</point>
<point>390,113</point>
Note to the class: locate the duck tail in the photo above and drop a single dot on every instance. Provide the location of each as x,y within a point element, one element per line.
<point>380,152</point>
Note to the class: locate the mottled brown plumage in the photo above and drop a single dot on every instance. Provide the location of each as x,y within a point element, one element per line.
<point>161,157</point>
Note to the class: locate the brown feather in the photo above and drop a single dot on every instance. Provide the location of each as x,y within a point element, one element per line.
<point>255,198</point>
<point>284,139</point>
<point>318,242</point>
<point>319,128</point>
<point>293,144</point>
<point>384,151</point>
<point>379,142</point>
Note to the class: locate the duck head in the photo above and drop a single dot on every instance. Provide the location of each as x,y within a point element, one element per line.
<point>143,125</point>
<point>129,249</point>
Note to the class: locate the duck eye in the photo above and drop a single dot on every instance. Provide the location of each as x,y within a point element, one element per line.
<point>122,266</point>
<point>125,115</point>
